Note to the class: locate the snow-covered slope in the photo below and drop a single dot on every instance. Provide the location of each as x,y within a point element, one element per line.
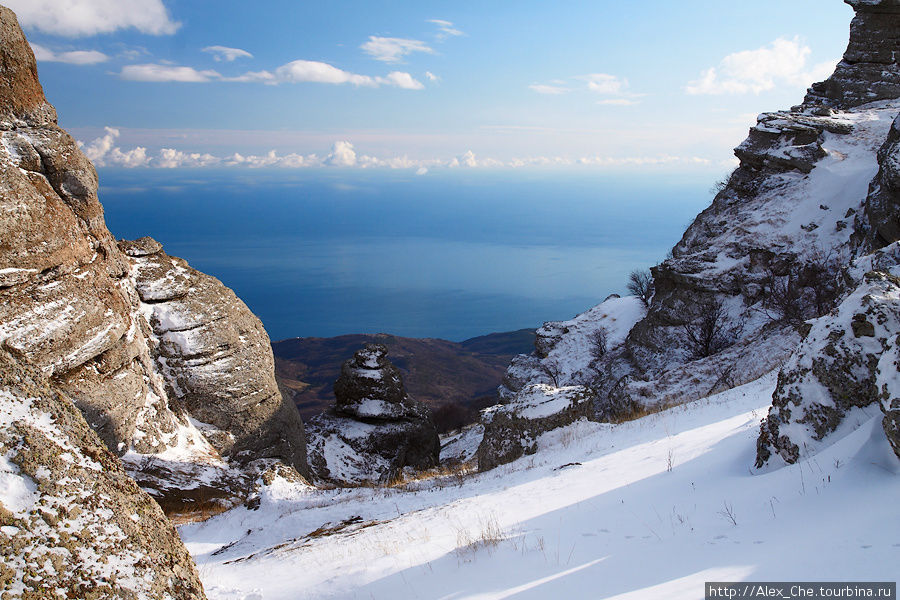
<point>647,509</point>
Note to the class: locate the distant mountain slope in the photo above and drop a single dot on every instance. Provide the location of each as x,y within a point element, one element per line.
<point>435,371</point>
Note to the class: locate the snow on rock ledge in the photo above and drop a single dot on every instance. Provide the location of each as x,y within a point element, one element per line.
<point>847,365</point>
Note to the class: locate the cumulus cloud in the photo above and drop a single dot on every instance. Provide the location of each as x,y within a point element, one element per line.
<point>76,18</point>
<point>783,62</point>
<point>431,76</point>
<point>393,49</point>
<point>446,29</point>
<point>342,155</point>
<point>226,54</point>
<point>170,158</point>
<point>161,73</point>
<point>104,153</point>
<point>73,57</point>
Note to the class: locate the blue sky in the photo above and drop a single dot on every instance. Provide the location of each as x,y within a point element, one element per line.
<point>425,85</point>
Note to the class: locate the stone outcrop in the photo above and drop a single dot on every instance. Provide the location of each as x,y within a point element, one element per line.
<point>71,520</point>
<point>848,362</point>
<point>75,306</point>
<point>511,430</point>
<point>869,69</point>
<point>879,223</point>
<point>215,358</point>
<point>375,429</point>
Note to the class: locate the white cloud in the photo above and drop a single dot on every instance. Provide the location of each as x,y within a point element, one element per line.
<point>224,53</point>
<point>393,49</point>
<point>342,155</point>
<point>618,102</point>
<point>783,62</point>
<point>445,29</point>
<point>431,76</point>
<point>603,83</point>
<point>401,80</point>
<point>73,57</point>
<point>541,88</point>
<point>170,158</point>
<point>103,152</point>
<point>160,73</point>
<point>318,72</point>
<point>75,18</point>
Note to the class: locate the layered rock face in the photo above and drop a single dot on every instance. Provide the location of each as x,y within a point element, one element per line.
<point>131,341</point>
<point>71,520</point>
<point>879,223</point>
<point>729,305</point>
<point>215,358</point>
<point>869,69</point>
<point>375,429</point>
<point>848,362</point>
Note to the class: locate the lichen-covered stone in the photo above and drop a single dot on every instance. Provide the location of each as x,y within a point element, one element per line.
<point>849,360</point>
<point>70,517</point>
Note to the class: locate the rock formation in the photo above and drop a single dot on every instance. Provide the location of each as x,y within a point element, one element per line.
<point>215,358</point>
<point>375,429</point>
<point>848,362</point>
<point>116,333</point>
<point>730,302</point>
<point>879,223</point>
<point>71,519</point>
<point>869,69</point>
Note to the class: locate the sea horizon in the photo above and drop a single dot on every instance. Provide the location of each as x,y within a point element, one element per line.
<point>447,255</point>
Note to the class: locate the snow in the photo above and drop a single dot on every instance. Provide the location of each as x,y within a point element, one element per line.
<point>18,493</point>
<point>648,509</point>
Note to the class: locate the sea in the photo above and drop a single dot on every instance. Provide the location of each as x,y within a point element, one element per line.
<point>452,254</point>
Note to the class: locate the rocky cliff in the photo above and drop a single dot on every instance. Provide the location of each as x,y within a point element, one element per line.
<point>167,366</point>
<point>815,188</point>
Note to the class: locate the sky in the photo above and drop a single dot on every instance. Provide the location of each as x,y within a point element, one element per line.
<point>652,85</point>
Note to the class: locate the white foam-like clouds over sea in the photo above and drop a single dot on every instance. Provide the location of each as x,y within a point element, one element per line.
<point>105,151</point>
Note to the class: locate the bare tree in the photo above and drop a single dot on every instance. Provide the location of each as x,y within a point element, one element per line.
<point>640,284</point>
<point>708,330</point>
<point>598,343</point>
<point>806,291</point>
<point>551,368</point>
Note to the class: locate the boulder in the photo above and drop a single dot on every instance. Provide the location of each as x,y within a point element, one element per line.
<point>215,358</point>
<point>71,520</point>
<point>511,430</point>
<point>847,363</point>
<point>375,430</point>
